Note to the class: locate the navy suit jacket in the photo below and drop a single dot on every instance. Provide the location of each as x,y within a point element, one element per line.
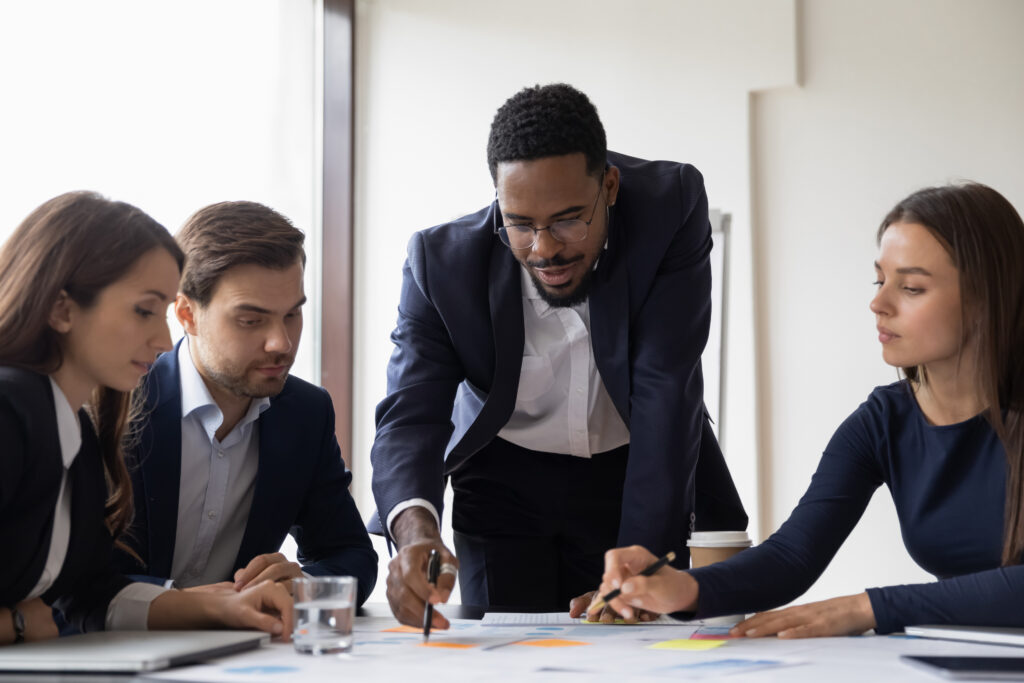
<point>30,474</point>
<point>454,372</point>
<point>301,484</point>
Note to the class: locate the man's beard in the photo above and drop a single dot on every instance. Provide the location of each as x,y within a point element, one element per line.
<point>239,384</point>
<point>561,299</point>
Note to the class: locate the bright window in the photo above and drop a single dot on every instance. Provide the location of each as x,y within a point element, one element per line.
<point>166,105</point>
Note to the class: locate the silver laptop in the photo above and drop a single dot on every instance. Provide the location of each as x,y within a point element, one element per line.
<point>126,651</point>
<point>994,635</point>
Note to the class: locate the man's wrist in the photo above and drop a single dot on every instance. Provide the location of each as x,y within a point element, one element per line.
<point>17,623</point>
<point>415,524</point>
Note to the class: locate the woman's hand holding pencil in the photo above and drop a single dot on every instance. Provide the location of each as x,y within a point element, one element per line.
<point>634,578</point>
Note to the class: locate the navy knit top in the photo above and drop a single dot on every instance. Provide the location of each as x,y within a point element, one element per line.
<point>948,483</point>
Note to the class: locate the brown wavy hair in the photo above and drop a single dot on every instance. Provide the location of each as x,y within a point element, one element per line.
<point>78,243</point>
<point>984,235</point>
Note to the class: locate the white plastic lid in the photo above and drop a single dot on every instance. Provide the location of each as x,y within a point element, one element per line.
<point>719,539</point>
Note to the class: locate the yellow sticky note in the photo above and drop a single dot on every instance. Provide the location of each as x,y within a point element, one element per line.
<point>449,645</point>
<point>403,629</point>
<point>681,644</point>
<point>552,642</point>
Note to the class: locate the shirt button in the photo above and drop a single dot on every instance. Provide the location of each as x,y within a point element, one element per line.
<point>220,454</point>
<point>211,514</point>
<point>579,391</point>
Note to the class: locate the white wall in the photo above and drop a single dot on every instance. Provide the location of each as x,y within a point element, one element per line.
<point>893,95</point>
<point>896,95</point>
<point>670,80</point>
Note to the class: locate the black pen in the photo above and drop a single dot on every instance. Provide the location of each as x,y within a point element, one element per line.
<point>433,564</point>
<point>649,570</point>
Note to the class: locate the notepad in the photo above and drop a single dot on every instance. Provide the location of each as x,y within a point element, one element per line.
<point>561,619</point>
<point>974,634</point>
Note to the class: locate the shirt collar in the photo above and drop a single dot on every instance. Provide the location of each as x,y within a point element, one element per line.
<point>69,432</point>
<point>196,397</point>
<point>530,293</point>
<point>542,307</point>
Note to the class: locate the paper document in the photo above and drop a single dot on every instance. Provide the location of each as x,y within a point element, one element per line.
<point>563,619</point>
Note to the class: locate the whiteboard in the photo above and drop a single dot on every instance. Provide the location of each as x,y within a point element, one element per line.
<point>713,359</point>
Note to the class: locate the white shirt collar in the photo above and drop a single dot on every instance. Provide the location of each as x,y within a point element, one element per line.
<point>69,432</point>
<point>542,307</point>
<point>530,292</point>
<point>196,397</point>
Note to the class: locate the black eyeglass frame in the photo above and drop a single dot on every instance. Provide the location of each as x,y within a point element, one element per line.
<point>502,230</point>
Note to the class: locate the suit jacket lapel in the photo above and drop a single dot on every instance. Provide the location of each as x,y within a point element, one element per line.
<point>505,300</point>
<point>161,462</point>
<point>273,477</point>
<point>609,316</point>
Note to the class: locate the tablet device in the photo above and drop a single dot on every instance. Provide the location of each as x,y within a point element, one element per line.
<point>975,634</point>
<point>125,651</point>
<point>966,668</point>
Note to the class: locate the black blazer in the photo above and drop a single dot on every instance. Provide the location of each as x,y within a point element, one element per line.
<point>30,473</point>
<point>301,485</point>
<point>454,373</point>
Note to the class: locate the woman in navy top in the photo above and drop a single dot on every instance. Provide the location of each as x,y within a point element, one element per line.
<point>948,442</point>
<point>84,288</point>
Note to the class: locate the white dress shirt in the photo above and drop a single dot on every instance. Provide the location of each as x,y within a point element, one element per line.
<point>129,609</point>
<point>217,482</point>
<point>70,437</point>
<point>562,405</point>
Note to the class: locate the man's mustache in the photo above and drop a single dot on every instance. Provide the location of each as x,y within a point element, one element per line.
<point>555,262</point>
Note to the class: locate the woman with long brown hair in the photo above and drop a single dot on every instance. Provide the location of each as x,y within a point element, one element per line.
<point>84,287</point>
<point>947,440</point>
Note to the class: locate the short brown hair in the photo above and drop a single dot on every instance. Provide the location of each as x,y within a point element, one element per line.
<point>222,236</point>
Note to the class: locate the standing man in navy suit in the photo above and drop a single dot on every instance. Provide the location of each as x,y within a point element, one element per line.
<point>234,453</point>
<point>547,361</point>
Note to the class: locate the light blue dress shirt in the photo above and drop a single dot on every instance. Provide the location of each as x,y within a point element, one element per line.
<point>217,482</point>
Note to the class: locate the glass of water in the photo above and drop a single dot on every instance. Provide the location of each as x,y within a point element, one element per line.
<point>324,609</point>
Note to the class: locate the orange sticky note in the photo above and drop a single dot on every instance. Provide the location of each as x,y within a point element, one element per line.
<point>552,642</point>
<point>403,629</point>
<point>449,645</point>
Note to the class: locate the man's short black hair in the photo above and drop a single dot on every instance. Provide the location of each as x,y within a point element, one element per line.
<point>545,121</point>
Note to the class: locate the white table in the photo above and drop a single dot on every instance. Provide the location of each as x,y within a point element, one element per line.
<point>491,655</point>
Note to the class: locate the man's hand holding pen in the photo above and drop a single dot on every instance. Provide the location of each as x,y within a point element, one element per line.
<point>408,588</point>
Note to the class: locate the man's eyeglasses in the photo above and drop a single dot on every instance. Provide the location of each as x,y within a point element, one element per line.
<point>567,231</point>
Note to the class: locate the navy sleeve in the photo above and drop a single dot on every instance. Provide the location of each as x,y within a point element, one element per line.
<point>15,577</point>
<point>790,561</point>
<point>329,533</point>
<point>414,420</point>
<point>14,456</point>
<point>989,598</point>
<point>666,413</point>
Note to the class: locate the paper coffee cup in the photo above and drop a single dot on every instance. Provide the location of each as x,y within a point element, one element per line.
<point>708,547</point>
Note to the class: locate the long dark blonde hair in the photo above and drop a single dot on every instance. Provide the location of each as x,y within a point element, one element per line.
<point>984,236</point>
<point>78,243</point>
